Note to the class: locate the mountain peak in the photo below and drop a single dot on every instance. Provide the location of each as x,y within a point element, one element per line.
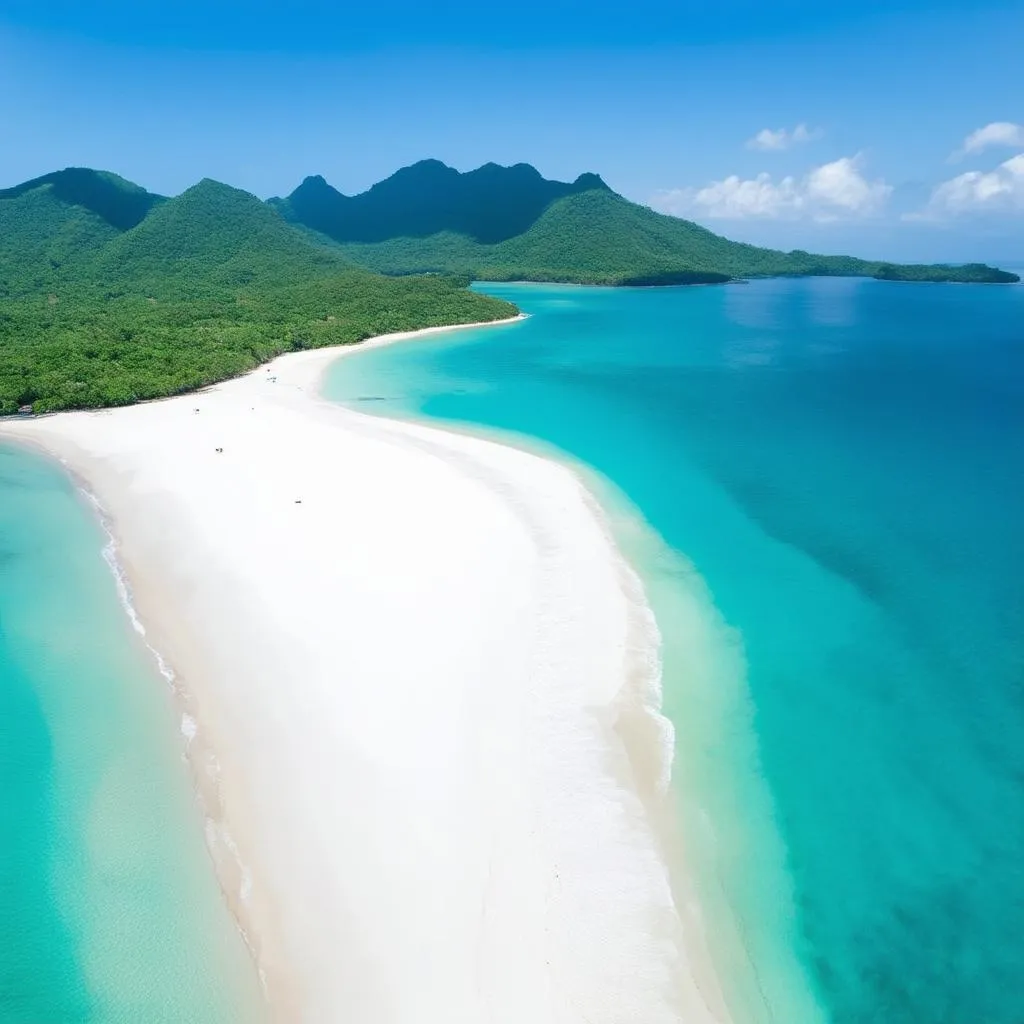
<point>211,185</point>
<point>489,204</point>
<point>315,183</point>
<point>213,195</point>
<point>121,203</point>
<point>431,165</point>
<point>588,180</point>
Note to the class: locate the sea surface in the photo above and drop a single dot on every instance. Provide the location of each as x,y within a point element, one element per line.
<point>822,485</point>
<point>109,912</point>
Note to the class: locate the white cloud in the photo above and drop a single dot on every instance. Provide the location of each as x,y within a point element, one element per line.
<point>734,198</point>
<point>998,133</point>
<point>833,191</point>
<point>998,191</point>
<point>841,185</point>
<point>769,139</point>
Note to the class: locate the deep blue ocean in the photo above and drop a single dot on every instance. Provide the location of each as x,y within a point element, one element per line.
<point>831,473</point>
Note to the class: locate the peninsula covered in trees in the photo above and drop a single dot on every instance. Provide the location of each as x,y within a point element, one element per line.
<point>112,294</point>
<point>509,223</point>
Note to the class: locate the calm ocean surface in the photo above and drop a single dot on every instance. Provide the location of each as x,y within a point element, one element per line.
<point>109,911</point>
<point>833,476</point>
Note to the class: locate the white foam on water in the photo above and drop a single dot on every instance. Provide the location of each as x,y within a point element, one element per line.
<point>216,833</point>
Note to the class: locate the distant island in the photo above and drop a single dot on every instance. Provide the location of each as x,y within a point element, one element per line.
<point>113,294</point>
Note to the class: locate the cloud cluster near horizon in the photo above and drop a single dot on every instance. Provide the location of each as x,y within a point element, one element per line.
<point>997,133</point>
<point>776,139</point>
<point>840,191</point>
<point>831,192</point>
<point>996,191</point>
<point>999,191</point>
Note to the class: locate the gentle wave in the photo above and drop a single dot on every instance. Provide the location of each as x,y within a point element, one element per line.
<point>216,832</point>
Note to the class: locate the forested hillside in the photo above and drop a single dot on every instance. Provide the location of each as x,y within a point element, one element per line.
<point>204,287</point>
<point>508,223</point>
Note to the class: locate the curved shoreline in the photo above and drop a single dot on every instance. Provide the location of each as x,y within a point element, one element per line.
<point>510,868</point>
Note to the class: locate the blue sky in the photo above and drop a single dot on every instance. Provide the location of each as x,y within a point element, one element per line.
<point>832,126</point>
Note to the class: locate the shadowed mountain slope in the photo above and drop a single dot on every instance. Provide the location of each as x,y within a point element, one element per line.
<point>487,205</point>
<point>120,203</point>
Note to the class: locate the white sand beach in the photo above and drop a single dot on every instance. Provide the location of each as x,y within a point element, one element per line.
<point>410,662</point>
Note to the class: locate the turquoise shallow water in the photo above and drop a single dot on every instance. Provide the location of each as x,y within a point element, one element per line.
<point>842,463</point>
<point>109,911</point>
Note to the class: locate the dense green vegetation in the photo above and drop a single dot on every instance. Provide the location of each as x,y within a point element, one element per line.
<point>110,294</point>
<point>204,287</point>
<point>674,277</point>
<point>968,273</point>
<point>506,224</point>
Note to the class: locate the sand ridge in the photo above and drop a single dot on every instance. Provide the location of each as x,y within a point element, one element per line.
<point>404,651</point>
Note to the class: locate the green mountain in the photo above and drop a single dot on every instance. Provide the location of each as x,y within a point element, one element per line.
<point>46,222</point>
<point>509,223</point>
<point>120,203</point>
<point>103,306</point>
<point>488,205</point>
<point>212,237</point>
